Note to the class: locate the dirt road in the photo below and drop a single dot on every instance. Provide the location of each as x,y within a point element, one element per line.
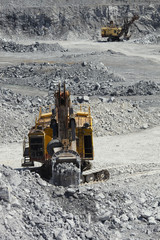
<point>135,148</point>
<point>110,151</point>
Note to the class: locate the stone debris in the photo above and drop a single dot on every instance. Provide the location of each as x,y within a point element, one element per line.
<point>120,117</point>
<point>110,117</point>
<point>140,88</point>
<point>148,39</point>
<point>36,47</point>
<point>41,211</point>
<point>82,80</point>
<point>32,208</point>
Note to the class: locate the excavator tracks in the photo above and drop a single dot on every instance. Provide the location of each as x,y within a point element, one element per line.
<point>68,174</point>
<point>66,170</point>
<point>95,175</point>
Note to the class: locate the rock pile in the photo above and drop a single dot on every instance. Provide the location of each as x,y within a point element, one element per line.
<point>43,47</point>
<point>21,102</point>
<point>89,78</point>
<point>148,39</point>
<point>33,209</point>
<point>85,78</point>
<point>14,124</point>
<point>140,88</point>
<point>110,115</point>
<point>18,114</point>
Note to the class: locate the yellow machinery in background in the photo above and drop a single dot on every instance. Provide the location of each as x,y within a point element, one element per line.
<point>114,33</point>
<point>63,142</point>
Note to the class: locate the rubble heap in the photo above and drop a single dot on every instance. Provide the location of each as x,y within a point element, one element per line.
<point>9,46</point>
<point>33,209</point>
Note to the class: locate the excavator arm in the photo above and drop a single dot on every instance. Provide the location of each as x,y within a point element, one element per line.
<point>66,162</point>
<point>126,25</point>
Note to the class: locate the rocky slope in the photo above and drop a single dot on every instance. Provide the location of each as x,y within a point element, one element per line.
<point>73,19</point>
<point>34,209</point>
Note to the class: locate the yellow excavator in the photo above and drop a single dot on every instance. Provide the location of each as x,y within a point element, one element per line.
<point>63,142</point>
<point>114,33</point>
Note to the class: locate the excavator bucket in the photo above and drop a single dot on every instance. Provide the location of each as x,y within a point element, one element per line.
<point>66,168</point>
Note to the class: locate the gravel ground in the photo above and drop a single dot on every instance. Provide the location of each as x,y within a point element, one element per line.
<point>120,81</point>
<point>126,206</point>
<point>109,210</point>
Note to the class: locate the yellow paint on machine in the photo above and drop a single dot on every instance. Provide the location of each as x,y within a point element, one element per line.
<point>42,133</point>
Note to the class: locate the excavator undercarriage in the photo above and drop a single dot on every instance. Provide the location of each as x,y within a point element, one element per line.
<point>63,142</point>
